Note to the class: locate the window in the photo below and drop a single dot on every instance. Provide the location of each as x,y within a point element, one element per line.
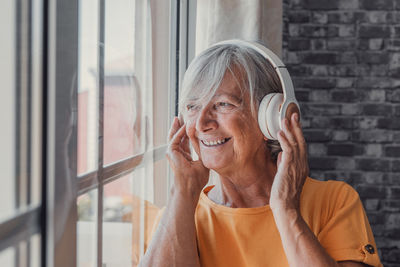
<point>126,101</point>
<point>89,92</point>
<point>21,232</point>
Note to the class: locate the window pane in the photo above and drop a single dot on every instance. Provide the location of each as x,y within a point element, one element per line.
<point>123,114</point>
<point>128,218</point>
<point>7,257</point>
<point>88,86</point>
<point>162,107</point>
<point>37,94</point>
<point>23,254</point>
<point>87,230</point>
<point>35,251</point>
<point>161,188</point>
<point>7,104</point>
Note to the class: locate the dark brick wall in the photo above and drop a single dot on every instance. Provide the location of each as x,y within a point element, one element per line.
<point>344,58</point>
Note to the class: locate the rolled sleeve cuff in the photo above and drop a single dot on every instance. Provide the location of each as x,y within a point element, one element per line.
<point>364,254</point>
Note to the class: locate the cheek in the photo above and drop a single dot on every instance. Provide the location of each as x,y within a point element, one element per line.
<point>249,132</point>
<point>190,128</point>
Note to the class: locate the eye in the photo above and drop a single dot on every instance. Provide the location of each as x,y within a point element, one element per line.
<point>192,107</point>
<point>223,105</point>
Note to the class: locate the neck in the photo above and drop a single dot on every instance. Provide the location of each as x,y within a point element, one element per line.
<point>246,187</point>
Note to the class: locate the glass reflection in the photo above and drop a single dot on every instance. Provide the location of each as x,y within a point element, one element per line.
<point>88,86</point>
<point>123,127</point>
<point>127,219</point>
<point>87,229</point>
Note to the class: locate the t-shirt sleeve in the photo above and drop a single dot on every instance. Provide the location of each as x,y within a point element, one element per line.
<point>155,224</point>
<point>347,234</point>
<point>143,226</point>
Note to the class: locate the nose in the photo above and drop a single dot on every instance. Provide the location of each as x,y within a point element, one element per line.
<point>205,120</point>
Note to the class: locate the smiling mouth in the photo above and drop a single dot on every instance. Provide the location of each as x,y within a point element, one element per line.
<point>215,142</point>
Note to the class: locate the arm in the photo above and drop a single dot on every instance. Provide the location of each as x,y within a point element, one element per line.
<point>174,242</point>
<point>301,246</point>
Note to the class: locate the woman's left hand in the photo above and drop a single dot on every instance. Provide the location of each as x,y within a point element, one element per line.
<point>292,167</point>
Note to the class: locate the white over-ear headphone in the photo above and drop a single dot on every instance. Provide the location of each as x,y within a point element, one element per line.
<point>273,107</point>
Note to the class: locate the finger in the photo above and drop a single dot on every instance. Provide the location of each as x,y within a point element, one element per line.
<point>181,121</point>
<point>187,156</point>
<point>287,128</point>
<point>174,128</point>
<point>185,144</point>
<point>185,149</point>
<point>177,138</point>
<point>177,142</point>
<point>287,148</point>
<point>279,159</point>
<point>298,132</point>
<point>177,159</point>
<point>177,156</point>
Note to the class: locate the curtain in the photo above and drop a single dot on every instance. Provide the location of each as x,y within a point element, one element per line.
<point>257,20</point>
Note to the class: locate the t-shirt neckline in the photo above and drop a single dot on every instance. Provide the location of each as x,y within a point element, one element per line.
<point>205,200</point>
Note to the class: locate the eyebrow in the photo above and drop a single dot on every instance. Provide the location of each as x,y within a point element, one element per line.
<point>193,99</point>
<point>230,95</point>
<point>236,98</point>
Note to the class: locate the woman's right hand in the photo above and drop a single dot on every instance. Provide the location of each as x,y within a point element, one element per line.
<point>190,176</point>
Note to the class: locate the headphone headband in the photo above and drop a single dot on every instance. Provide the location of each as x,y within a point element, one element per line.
<point>268,54</point>
<point>284,77</point>
<point>280,68</point>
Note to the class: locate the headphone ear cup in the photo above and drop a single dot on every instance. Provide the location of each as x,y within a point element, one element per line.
<point>273,115</point>
<point>268,115</point>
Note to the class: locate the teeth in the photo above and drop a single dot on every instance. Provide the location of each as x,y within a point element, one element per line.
<point>216,142</point>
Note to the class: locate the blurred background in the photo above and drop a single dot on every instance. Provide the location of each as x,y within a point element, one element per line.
<point>90,87</point>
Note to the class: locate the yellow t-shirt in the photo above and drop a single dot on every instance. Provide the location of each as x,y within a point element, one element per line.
<point>248,237</point>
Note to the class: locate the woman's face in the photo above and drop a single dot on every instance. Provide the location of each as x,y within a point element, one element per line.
<point>223,131</point>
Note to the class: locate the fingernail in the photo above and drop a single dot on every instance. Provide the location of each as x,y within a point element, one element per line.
<point>296,117</point>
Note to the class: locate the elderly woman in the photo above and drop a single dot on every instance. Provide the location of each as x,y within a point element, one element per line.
<point>264,210</point>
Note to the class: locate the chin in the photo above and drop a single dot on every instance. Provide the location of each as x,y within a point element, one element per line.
<point>215,164</point>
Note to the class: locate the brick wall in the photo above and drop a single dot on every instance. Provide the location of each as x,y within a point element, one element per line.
<point>344,58</point>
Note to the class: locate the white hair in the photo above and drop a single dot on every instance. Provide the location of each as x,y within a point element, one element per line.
<point>252,71</point>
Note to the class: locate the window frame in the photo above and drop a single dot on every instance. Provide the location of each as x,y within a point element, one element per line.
<point>55,217</point>
<point>26,221</point>
<point>61,156</point>
<point>182,21</point>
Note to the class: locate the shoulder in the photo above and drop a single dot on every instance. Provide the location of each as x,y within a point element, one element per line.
<point>328,189</point>
<point>327,197</point>
<point>336,215</point>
